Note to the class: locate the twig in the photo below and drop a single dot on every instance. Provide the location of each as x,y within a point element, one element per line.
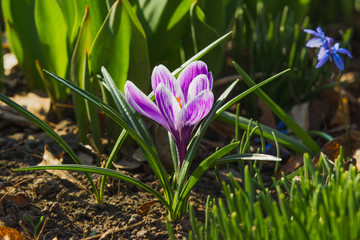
<point>26,232</point>
<point>115,230</point>
<point>42,228</point>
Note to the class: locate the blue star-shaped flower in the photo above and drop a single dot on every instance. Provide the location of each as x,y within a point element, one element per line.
<point>320,39</point>
<point>325,54</point>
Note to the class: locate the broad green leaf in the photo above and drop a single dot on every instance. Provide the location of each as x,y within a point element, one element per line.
<point>231,8</point>
<point>77,70</point>
<point>215,13</point>
<point>179,13</point>
<point>48,14</point>
<point>23,38</point>
<point>200,54</point>
<point>73,12</point>
<point>150,13</point>
<point>164,45</point>
<point>92,113</point>
<point>53,41</point>
<point>121,48</point>
<point>202,35</point>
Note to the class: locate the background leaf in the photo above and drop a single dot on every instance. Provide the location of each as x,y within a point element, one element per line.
<point>54,43</point>
<point>202,35</point>
<point>120,46</point>
<point>23,39</point>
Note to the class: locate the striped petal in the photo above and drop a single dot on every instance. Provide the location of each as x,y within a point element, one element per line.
<point>199,84</point>
<point>141,103</point>
<point>162,75</point>
<point>196,109</point>
<point>190,72</point>
<point>169,107</point>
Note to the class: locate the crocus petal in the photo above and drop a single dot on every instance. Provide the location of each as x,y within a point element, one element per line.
<point>169,107</point>
<point>141,103</point>
<point>199,84</point>
<point>162,75</point>
<point>189,73</point>
<point>323,59</point>
<point>314,42</point>
<point>338,61</point>
<point>196,109</point>
<point>344,51</point>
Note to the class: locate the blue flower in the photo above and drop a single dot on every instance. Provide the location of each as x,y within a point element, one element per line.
<point>325,54</point>
<point>320,40</point>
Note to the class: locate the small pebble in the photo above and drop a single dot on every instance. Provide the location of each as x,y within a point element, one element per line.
<point>134,218</point>
<point>142,234</point>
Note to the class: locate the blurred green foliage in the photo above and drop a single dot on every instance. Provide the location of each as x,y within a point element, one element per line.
<point>129,37</point>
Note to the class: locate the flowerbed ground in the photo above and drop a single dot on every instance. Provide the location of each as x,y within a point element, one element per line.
<point>70,206</point>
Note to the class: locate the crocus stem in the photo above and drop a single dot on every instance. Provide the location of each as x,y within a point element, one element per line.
<point>346,123</point>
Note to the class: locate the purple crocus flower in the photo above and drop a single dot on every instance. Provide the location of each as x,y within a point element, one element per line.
<point>180,104</point>
<point>325,54</point>
<point>320,39</point>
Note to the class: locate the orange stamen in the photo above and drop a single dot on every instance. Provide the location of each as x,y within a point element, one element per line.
<point>178,100</point>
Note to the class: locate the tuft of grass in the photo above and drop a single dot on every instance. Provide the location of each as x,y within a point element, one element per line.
<point>319,202</point>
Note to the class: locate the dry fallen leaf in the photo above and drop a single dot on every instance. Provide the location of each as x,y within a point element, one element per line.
<point>356,158</point>
<point>20,200</point>
<point>300,113</point>
<point>7,233</point>
<point>338,117</point>
<point>127,164</point>
<point>332,148</point>
<point>293,163</point>
<point>267,116</point>
<point>33,102</point>
<point>145,208</point>
<point>50,159</point>
<point>10,62</point>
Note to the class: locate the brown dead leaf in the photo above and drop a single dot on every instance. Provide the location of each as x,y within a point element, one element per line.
<point>50,159</point>
<point>332,148</point>
<point>33,102</point>
<point>127,164</point>
<point>12,116</point>
<point>292,164</point>
<point>356,158</point>
<point>338,118</point>
<point>145,208</point>
<point>267,117</point>
<point>10,62</point>
<point>10,234</point>
<point>300,113</point>
<point>20,200</point>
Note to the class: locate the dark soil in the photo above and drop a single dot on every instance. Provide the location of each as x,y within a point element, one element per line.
<point>71,209</point>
